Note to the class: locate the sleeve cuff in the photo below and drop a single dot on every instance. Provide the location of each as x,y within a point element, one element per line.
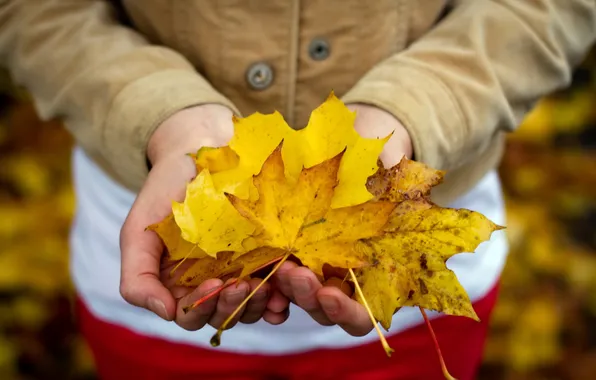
<point>141,107</point>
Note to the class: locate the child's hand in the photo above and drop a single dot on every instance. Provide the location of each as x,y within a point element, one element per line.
<point>328,305</point>
<point>141,281</point>
<point>372,122</point>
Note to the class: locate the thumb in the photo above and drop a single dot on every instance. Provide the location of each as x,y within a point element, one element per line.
<point>139,278</point>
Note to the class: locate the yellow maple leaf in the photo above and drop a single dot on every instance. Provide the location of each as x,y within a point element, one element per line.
<point>409,266</point>
<point>226,265</point>
<point>171,235</point>
<point>297,218</point>
<point>206,218</point>
<point>330,131</point>
<point>406,180</point>
<point>255,137</point>
<point>215,159</point>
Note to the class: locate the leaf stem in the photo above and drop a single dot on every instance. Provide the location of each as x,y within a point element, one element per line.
<point>230,282</point>
<point>181,261</point>
<point>216,338</point>
<point>437,348</point>
<point>209,295</point>
<point>388,349</point>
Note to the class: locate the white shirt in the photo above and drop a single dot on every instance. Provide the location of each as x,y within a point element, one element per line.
<point>102,206</point>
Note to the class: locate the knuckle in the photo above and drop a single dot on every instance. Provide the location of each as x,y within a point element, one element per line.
<point>286,289</point>
<point>126,291</point>
<point>310,306</point>
<point>200,314</point>
<point>123,233</point>
<point>195,319</point>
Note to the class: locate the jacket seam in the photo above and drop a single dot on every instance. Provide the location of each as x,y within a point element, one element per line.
<point>403,20</point>
<point>293,61</point>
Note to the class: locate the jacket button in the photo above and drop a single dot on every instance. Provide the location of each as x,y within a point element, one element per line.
<point>319,49</point>
<point>259,76</point>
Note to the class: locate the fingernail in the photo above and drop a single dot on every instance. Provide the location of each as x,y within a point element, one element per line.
<point>329,304</point>
<point>236,296</point>
<point>301,285</point>
<point>158,308</point>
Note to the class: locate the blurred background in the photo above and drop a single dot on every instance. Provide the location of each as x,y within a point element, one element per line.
<point>545,323</point>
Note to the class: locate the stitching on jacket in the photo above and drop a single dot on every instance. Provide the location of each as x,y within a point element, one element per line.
<point>292,69</point>
<point>404,14</point>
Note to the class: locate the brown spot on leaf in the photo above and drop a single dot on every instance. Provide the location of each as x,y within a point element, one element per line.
<point>423,261</point>
<point>423,288</point>
<point>410,294</point>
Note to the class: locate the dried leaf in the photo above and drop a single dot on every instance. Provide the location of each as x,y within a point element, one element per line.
<point>209,267</point>
<point>215,159</point>
<point>409,259</point>
<point>255,137</point>
<point>298,218</point>
<point>201,214</point>
<point>406,180</point>
<point>330,131</point>
<point>171,235</point>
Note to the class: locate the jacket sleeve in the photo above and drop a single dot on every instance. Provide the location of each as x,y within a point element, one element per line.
<point>478,72</point>
<point>110,86</point>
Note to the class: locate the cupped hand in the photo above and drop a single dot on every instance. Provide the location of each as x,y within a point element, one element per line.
<point>329,305</point>
<point>145,280</point>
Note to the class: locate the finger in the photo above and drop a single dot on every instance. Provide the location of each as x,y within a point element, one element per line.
<point>305,286</point>
<point>198,317</point>
<point>258,302</point>
<point>139,275</point>
<point>278,302</point>
<point>170,278</point>
<point>344,286</point>
<point>276,318</point>
<point>346,312</point>
<point>141,250</point>
<point>281,279</point>
<point>230,298</point>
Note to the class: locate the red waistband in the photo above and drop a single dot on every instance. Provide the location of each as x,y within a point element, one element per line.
<point>122,354</point>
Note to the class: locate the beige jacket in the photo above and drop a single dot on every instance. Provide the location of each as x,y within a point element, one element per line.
<point>456,82</point>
